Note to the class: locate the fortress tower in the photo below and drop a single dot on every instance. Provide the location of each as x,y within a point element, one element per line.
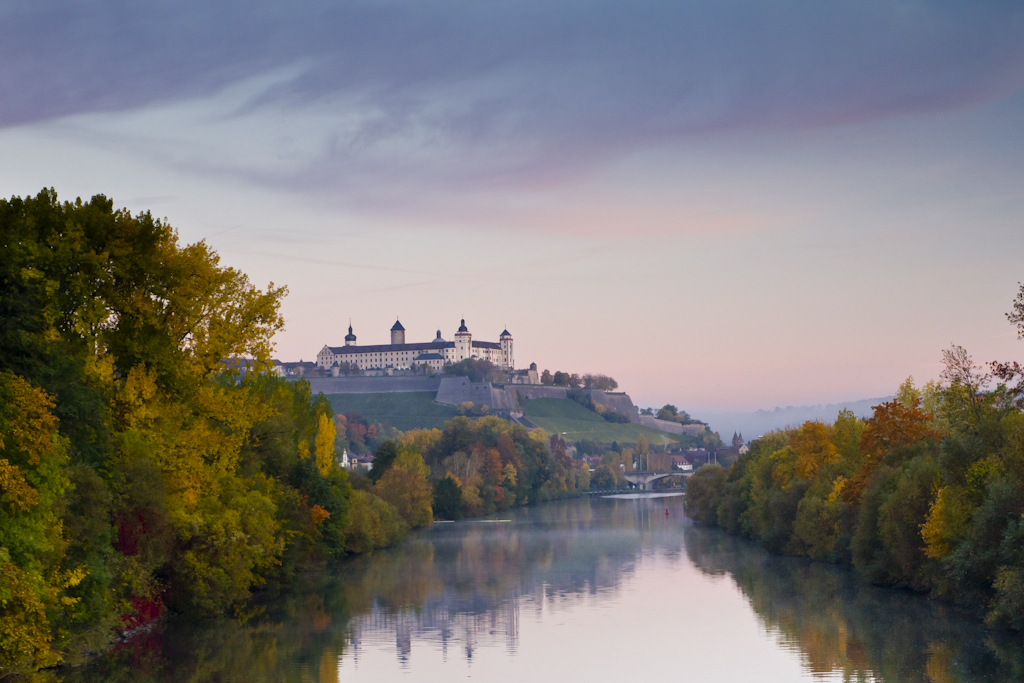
<point>397,333</point>
<point>463,342</point>
<point>506,350</point>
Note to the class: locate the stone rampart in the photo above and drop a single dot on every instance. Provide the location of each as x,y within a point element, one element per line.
<point>457,390</point>
<point>532,391</point>
<point>618,401</point>
<point>669,426</point>
<point>661,425</point>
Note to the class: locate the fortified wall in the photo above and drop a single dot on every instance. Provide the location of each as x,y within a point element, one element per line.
<point>457,390</point>
<point>372,385</point>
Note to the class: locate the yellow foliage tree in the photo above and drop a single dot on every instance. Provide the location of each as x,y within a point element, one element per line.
<point>406,487</point>
<point>325,435</point>
<point>947,522</point>
<point>814,449</point>
<point>424,439</point>
<point>32,480</point>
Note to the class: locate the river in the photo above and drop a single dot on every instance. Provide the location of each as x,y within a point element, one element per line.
<point>584,590</point>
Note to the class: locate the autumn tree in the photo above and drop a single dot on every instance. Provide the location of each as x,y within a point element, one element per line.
<point>405,486</point>
<point>602,478</point>
<point>32,578</point>
<point>892,426</point>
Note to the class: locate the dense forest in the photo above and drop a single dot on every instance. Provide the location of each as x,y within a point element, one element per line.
<point>927,493</point>
<point>140,475</point>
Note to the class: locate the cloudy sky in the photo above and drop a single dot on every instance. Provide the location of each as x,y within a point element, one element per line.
<point>725,205</point>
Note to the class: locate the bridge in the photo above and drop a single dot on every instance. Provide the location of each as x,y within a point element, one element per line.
<point>642,478</point>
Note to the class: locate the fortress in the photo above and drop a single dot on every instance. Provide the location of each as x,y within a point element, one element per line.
<point>398,355</point>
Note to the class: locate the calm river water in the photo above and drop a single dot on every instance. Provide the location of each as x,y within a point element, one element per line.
<point>587,590</point>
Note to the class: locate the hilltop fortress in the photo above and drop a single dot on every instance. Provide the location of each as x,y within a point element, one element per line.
<point>402,367</point>
<point>398,355</point>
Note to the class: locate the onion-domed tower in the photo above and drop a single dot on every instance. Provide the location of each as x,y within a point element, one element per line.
<point>463,342</point>
<point>350,339</point>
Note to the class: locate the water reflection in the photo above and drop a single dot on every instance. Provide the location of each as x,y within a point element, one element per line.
<point>576,589</point>
<point>840,625</point>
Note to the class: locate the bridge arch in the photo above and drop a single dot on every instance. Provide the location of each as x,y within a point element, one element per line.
<point>643,479</point>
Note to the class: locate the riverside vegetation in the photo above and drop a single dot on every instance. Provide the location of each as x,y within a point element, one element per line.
<point>140,476</point>
<point>928,493</point>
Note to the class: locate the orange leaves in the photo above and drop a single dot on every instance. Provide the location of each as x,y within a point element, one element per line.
<point>318,515</point>
<point>492,467</point>
<point>892,426</point>
<point>895,424</point>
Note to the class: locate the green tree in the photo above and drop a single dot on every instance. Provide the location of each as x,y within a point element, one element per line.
<point>603,478</point>
<point>382,460</point>
<point>703,493</point>
<point>448,503</point>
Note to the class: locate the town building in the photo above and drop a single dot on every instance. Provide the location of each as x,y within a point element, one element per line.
<point>681,463</point>
<point>399,355</point>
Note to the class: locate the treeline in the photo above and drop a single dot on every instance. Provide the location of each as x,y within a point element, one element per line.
<point>928,493</point>
<point>670,413</point>
<point>139,476</point>
<point>489,464</point>
<point>575,381</point>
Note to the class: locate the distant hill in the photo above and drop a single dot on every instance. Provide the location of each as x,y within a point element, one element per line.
<point>752,425</point>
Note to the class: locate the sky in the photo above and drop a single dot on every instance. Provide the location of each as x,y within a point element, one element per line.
<point>725,205</point>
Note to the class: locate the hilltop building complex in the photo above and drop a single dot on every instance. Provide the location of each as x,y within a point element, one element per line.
<point>399,355</point>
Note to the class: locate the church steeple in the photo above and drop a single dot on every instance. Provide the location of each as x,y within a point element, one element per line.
<point>350,338</point>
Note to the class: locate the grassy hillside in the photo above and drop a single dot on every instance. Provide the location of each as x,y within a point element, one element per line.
<point>560,415</point>
<point>404,410</point>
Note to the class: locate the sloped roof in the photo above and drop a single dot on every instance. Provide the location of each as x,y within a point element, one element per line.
<point>385,348</point>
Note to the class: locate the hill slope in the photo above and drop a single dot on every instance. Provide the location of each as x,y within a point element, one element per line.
<point>402,410</point>
<point>574,422</point>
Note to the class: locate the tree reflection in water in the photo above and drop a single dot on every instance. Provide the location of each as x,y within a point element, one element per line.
<point>840,624</point>
<point>461,587</point>
<point>458,584</point>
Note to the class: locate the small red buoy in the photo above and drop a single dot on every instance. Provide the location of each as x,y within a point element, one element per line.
<point>666,512</point>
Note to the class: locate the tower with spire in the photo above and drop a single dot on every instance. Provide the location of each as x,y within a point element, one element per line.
<point>506,349</point>
<point>463,342</point>
<point>401,355</point>
<point>397,334</point>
